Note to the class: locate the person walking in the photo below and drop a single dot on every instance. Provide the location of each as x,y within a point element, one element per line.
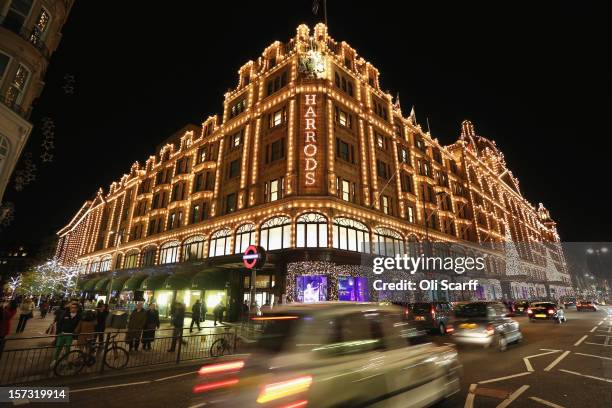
<point>7,311</point>
<point>218,313</point>
<point>178,317</point>
<point>245,311</point>
<point>44,308</point>
<point>196,315</point>
<point>26,311</point>
<point>101,316</point>
<point>136,324</point>
<point>151,325</point>
<point>66,325</point>
<point>85,330</point>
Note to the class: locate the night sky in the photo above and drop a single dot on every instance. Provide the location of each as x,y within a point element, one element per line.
<point>531,77</point>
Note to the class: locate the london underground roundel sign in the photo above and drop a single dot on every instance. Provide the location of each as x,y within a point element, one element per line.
<point>254,257</point>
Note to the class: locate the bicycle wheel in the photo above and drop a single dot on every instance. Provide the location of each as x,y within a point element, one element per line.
<point>219,348</point>
<point>116,358</point>
<point>70,364</point>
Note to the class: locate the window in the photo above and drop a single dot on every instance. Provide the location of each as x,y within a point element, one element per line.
<point>406,182</point>
<point>148,256</point>
<point>131,260</point>
<point>175,220</point>
<point>275,150</point>
<point>277,83</point>
<point>17,86</point>
<point>234,168</point>
<point>198,212</point>
<point>345,151</point>
<point>274,190</point>
<point>202,154</point>
<point>388,242</point>
<point>105,264</point>
<point>386,204</point>
<point>419,143</point>
<point>424,168</point>
<point>380,141</point>
<point>342,118</point>
<point>182,165</point>
<point>245,236</point>
<point>379,109</point>
<point>437,156</point>
<point>16,15</point>
<point>410,213</point>
<point>452,164</point>
<point>344,189</point>
<point>169,253</point>
<point>193,248</point>
<point>311,231</point>
<point>230,203</point>
<point>350,235</point>
<point>343,83</point>
<point>403,155</point>
<point>237,108</point>
<point>278,117</point>
<point>178,191</point>
<point>276,233</point>
<point>382,170</point>
<point>236,139</point>
<point>4,62</point>
<point>220,243</point>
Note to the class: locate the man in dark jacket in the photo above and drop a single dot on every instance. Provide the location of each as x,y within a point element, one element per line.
<point>178,316</point>
<point>196,315</point>
<point>66,324</point>
<point>136,324</point>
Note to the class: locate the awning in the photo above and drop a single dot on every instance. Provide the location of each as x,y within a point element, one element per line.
<point>90,285</point>
<point>82,281</point>
<point>119,281</point>
<point>154,282</point>
<point>134,282</point>
<point>213,278</point>
<point>178,281</point>
<point>102,285</point>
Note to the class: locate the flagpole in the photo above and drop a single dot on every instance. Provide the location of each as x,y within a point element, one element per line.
<point>325,12</point>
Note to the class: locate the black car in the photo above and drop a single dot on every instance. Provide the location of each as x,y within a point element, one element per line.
<point>546,311</point>
<point>520,307</point>
<point>431,316</point>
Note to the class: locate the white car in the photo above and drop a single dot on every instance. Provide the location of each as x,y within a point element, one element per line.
<point>332,355</point>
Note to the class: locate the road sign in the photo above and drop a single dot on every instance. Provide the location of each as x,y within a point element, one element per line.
<point>254,257</point>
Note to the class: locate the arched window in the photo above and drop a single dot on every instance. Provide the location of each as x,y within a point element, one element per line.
<point>169,252</point>
<point>276,233</point>
<point>193,248</point>
<point>118,260</point>
<point>245,236</point>
<point>105,263</point>
<point>148,256</point>
<point>388,242</point>
<point>351,235</point>
<point>220,243</point>
<point>131,260</point>
<point>311,231</point>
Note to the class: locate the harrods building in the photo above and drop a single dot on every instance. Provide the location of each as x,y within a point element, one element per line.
<point>315,163</point>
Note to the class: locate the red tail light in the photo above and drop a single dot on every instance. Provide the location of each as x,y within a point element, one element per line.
<point>551,311</point>
<point>213,386</point>
<point>490,330</point>
<point>529,311</point>
<point>298,404</point>
<point>450,329</point>
<point>221,367</point>
<point>433,311</point>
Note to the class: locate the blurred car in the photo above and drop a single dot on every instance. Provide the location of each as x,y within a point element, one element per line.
<point>485,324</point>
<point>332,355</point>
<point>431,316</point>
<point>520,307</point>
<point>586,305</point>
<point>546,311</point>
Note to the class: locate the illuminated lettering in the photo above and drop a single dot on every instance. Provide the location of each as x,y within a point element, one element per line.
<point>310,140</point>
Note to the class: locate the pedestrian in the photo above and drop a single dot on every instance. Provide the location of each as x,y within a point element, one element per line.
<point>151,325</point>
<point>136,324</point>
<point>245,311</point>
<point>26,312</point>
<point>218,313</point>
<point>178,317</point>
<point>196,315</point>
<point>7,311</point>
<point>101,316</point>
<point>85,330</point>
<point>66,325</point>
<point>44,308</point>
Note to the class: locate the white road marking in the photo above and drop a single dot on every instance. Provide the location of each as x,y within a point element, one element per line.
<point>547,403</point>
<point>594,328</point>
<point>598,344</point>
<point>513,396</point>
<point>109,386</point>
<point>201,404</point>
<point>581,340</point>
<point>504,378</point>
<point>528,363</point>
<point>469,401</point>
<point>593,355</point>
<point>557,360</point>
<point>587,376</point>
<point>599,324</point>
<point>176,376</point>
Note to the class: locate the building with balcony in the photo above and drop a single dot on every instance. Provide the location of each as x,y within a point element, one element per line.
<point>30,31</point>
<point>314,162</point>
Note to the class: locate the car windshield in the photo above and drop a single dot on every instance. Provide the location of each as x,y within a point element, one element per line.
<point>522,303</point>
<point>471,310</point>
<point>544,304</point>
<point>276,331</point>
<point>420,308</point>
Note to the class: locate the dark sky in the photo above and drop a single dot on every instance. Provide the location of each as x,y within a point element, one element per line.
<point>530,76</point>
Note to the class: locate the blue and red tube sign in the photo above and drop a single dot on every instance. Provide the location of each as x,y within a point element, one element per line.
<point>254,257</point>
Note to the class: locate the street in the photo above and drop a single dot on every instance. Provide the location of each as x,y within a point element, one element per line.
<point>567,365</point>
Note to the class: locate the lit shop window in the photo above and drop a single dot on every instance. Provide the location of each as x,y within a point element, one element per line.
<point>245,236</point>
<point>131,260</point>
<point>350,235</point>
<point>220,243</point>
<point>276,233</point>
<point>388,242</point>
<point>193,248</point>
<point>16,90</point>
<point>311,231</point>
<point>169,253</point>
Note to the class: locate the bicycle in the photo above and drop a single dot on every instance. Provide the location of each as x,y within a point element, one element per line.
<point>71,363</point>
<point>221,346</point>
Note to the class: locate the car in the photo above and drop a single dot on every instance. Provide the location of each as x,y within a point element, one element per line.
<point>586,305</point>
<point>332,355</point>
<point>431,316</point>
<point>520,307</point>
<point>486,324</point>
<point>546,311</point>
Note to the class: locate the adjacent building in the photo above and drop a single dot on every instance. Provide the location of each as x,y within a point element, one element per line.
<point>30,31</point>
<point>314,162</point>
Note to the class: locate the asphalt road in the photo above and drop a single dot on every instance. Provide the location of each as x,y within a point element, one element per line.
<point>567,365</point>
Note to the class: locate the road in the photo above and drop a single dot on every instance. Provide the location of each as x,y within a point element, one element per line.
<point>567,365</point>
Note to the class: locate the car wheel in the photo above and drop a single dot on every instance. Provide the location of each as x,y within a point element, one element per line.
<point>502,343</point>
<point>442,329</point>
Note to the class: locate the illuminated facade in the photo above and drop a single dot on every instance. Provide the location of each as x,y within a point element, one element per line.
<point>29,34</point>
<point>310,160</point>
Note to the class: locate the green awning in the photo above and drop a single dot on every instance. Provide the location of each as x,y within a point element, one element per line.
<point>82,282</point>
<point>154,282</point>
<point>102,285</point>
<point>178,281</point>
<point>119,281</point>
<point>214,278</point>
<point>90,285</point>
<point>134,282</point>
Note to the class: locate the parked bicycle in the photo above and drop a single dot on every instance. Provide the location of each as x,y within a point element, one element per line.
<point>222,346</point>
<point>115,357</point>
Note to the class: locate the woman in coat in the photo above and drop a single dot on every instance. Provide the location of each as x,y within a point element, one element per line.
<point>136,324</point>
<point>148,335</point>
<point>85,330</point>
